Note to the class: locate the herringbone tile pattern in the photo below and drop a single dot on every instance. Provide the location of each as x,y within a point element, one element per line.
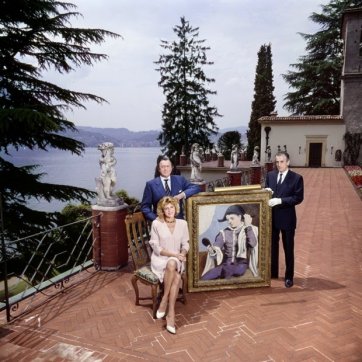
<point>319,319</point>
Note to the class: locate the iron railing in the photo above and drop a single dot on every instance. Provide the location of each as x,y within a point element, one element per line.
<point>51,258</point>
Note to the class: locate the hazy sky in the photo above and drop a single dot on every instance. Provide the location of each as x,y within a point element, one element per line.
<point>233,29</point>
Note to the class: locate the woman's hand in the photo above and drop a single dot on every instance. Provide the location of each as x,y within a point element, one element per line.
<point>181,257</point>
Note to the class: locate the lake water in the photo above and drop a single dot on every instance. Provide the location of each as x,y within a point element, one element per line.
<point>134,167</point>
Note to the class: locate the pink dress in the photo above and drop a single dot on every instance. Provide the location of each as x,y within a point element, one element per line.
<point>163,238</point>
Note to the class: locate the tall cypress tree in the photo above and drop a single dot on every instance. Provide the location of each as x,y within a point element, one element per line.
<point>187,115</point>
<point>316,79</point>
<point>36,36</point>
<point>264,100</point>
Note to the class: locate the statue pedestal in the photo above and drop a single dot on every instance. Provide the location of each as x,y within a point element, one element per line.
<point>269,166</point>
<point>202,184</point>
<point>234,177</point>
<point>220,161</point>
<point>183,160</point>
<point>255,176</point>
<point>110,244</point>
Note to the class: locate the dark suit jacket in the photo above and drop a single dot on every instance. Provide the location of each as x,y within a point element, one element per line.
<point>154,191</point>
<point>291,191</point>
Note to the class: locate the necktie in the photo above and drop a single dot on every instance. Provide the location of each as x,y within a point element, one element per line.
<point>167,188</point>
<point>280,179</point>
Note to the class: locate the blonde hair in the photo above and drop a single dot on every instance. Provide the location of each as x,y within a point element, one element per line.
<point>163,202</point>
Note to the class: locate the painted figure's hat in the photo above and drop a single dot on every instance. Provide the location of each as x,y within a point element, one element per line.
<point>233,209</point>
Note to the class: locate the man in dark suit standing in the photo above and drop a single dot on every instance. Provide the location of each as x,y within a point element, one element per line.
<point>165,184</point>
<point>288,190</point>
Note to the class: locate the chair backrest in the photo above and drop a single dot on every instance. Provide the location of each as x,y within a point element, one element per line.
<point>138,236</point>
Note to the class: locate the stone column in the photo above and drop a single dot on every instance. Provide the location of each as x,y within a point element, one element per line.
<point>110,244</point>
<point>255,176</point>
<point>234,177</point>
<point>220,161</point>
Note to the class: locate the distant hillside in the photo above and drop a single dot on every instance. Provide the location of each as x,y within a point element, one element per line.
<point>122,137</point>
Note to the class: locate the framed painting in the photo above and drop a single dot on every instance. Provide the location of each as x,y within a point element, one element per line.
<point>230,233</point>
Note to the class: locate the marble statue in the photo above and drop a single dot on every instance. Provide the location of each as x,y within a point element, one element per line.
<point>255,161</point>
<point>107,180</point>
<point>268,154</point>
<point>234,157</point>
<point>196,163</point>
<point>208,154</point>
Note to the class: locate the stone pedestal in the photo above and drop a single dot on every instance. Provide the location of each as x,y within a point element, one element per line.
<point>255,175</point>
<point>110,244</point>
<point>220,161</point>
<point>269,166</point>
<point>183,160</point>
<point>234,177</point>
<point>202,185</point>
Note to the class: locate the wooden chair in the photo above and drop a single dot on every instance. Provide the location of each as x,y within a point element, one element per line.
<point>138,235</point>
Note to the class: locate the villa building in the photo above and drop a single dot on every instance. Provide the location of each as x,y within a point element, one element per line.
<point>318,141</point>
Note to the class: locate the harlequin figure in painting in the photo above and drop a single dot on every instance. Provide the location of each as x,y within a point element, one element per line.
<point>235,248</point>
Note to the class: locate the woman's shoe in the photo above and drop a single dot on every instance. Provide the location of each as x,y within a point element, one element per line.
<point>171,329</point>
<point>160,315</point>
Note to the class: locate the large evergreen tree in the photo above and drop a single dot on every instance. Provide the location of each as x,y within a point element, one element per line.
<point>187,115</point>
<point>316,82</point>
<point>36,36</point>
<point>264,100</point>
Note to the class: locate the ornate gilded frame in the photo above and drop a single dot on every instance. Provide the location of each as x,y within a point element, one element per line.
<point>204,210</point>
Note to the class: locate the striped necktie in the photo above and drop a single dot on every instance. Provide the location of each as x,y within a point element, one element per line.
<point>280,179</point>
<point>167,188</point>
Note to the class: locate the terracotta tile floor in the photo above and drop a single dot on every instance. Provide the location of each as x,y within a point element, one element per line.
<point>319,319</point>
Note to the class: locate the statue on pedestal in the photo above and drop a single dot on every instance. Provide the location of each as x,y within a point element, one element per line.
<point>255,161</point>
<point>268,154</point>
<point>234,157</point>
<point>208,154</point>
<point>196,163</point>
<point>107,180</point>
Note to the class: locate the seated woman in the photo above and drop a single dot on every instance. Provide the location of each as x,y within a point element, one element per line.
<point>170,244</point>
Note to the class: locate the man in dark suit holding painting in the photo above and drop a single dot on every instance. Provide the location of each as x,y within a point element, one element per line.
<point>288,190</point>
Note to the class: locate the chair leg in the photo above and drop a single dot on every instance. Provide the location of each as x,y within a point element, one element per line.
<point>135,287</point>
<point>154,299</point>
<point>184,285</point>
